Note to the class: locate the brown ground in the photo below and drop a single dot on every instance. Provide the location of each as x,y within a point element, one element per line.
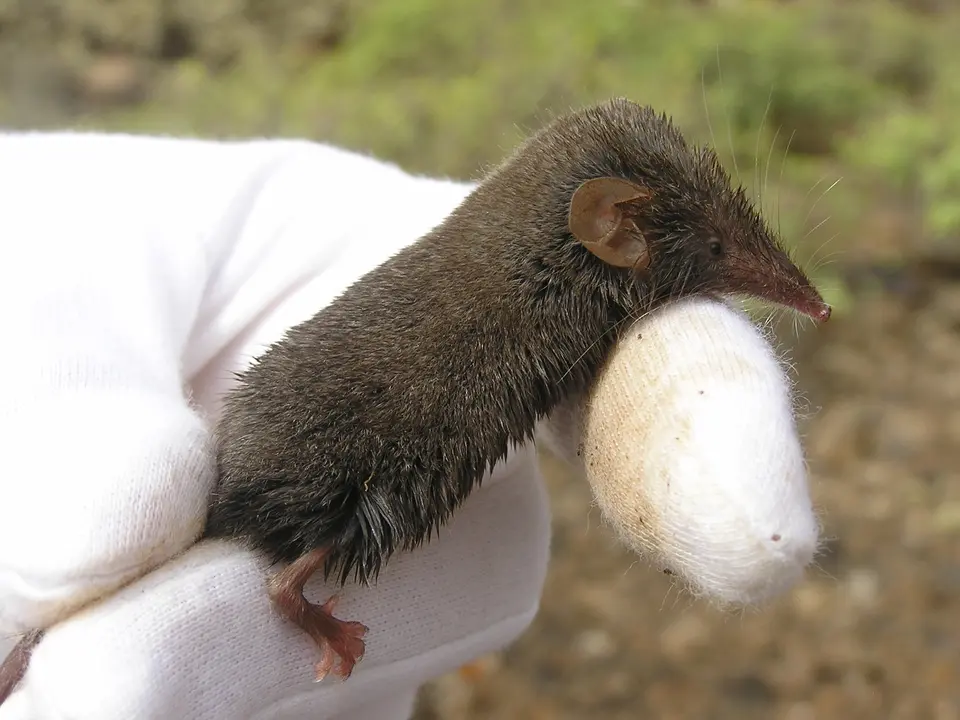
<point>874,632</point>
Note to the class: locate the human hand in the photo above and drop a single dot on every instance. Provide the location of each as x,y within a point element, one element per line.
<point>136,276</point>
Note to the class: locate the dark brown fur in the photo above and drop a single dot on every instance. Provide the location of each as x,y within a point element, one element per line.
<point>367,426</point>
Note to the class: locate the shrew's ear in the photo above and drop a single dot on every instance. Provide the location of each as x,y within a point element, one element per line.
<point>601,219</point>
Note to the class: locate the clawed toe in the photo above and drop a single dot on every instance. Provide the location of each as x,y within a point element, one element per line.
<point>337,639</point>
<point>348,645</point>
<point>327,661</point>
<point>348,648</point>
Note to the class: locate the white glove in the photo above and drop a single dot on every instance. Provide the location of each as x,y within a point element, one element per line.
<point>136,275</point>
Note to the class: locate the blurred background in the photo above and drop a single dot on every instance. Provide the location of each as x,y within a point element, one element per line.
<point>846,115</point>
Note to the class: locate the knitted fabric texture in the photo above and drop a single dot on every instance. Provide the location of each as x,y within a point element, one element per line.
<point>703,471</point>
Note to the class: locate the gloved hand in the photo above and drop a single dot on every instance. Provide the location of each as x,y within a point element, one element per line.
<point>136,275</point>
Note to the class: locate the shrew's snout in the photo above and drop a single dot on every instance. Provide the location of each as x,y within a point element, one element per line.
<point>810,303</point>
<point>783,283</point>
<point>823,314</point>
<point>790,287</point>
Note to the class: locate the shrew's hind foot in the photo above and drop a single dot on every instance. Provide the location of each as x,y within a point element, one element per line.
<point>337,639</point>
<point>344,642</point>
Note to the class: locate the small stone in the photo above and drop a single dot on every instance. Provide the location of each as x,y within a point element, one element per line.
<point>684,636</point>
<point>480,668</point>
<point>946,519</point>
<point>809,599</point>
<point>595,644</point>
<point>800,711</point>
<point>863,588</point>
<point>946,710</point>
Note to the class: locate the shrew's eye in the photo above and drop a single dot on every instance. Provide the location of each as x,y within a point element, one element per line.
<point>715,247</point>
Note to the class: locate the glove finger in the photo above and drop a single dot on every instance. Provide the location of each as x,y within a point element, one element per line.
<point>105,466</point>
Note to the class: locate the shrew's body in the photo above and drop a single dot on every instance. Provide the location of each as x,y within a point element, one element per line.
<point>365,428</point>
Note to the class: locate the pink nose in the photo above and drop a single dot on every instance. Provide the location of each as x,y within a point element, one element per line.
<point>823,314</point>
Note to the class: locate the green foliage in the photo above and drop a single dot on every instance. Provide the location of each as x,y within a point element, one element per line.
<point>794,95</point>
<point>916,149</point>
<point>785,69</point>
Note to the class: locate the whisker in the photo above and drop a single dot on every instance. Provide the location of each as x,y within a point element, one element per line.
<point>653,293</point>
<point>813,257</point>
<point>756,154</point>
<point>776,314</point>
<point>826,261</point>
<point>686,279</point>
<point>815,228</point>
<point>766,173</point>
<point>723,91</point>
<point>806,196</point>
<point>814,187</point>
<point>822,195</point>
<point>592,345</point>
<point>771,318</point>
<point>706,109</point>
<point>783,164</point>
